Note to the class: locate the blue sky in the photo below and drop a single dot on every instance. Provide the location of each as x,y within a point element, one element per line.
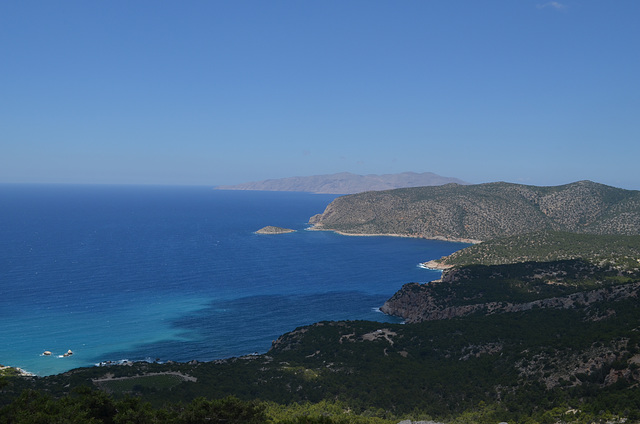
<point>223,92</point>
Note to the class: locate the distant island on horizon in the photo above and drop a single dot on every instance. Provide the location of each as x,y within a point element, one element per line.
<point>346,183</point>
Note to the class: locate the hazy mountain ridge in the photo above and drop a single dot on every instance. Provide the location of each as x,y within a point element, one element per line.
<point>485,211</point>
<point>345,183</point>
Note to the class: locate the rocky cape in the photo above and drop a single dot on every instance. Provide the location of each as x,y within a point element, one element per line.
<point>543,270</point>
<point>345,183</point>
<point>417,302</point>
<point>484,211</point>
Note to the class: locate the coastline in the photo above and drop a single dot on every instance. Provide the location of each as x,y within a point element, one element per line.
<point>435,265</point>
<point>4,369</point>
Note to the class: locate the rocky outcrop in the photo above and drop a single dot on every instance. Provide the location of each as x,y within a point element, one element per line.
<point>416,302</point>
<point>274,230</point>
<point>485,211</point>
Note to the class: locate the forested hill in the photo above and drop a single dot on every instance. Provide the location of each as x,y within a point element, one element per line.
<point>485,211</point>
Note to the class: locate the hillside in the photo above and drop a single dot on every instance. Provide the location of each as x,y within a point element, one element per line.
<point>485,211</point>
<point>513,288</point>
<point>545,270</point>
<point>546,246</point>
<point>345,183</point>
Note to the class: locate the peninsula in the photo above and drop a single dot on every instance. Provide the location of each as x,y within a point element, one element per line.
<point>484,211</point>
<point>540,270</point>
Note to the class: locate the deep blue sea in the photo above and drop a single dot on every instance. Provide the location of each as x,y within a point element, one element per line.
<point>177,273</point>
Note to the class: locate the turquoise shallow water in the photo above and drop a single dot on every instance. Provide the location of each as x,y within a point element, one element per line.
<point>177,273</point>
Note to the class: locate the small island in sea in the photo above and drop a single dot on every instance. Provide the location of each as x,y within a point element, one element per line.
<point>269,229</point>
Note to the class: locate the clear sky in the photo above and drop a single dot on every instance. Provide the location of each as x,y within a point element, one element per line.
<point>223,92</point>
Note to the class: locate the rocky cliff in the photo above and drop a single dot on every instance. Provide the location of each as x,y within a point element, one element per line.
<point>485,211</point>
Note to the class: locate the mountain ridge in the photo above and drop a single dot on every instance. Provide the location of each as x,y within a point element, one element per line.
<point>345,183</point>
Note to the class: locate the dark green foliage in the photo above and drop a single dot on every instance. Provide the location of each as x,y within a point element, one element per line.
<point>83,406</point>
<point>513,287</point>
<point>90,406</point>
<point>525,282</point>
<point>229,410</point>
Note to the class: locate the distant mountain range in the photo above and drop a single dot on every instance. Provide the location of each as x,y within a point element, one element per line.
<point>485,211</point>
<point>346,183</point>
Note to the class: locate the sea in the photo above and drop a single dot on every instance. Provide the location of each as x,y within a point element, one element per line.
<point>166,273</point>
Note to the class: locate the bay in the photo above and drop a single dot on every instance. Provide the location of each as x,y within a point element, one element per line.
<point>178,273</point>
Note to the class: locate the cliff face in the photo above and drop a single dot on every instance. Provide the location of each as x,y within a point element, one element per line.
<point>485,211</point>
